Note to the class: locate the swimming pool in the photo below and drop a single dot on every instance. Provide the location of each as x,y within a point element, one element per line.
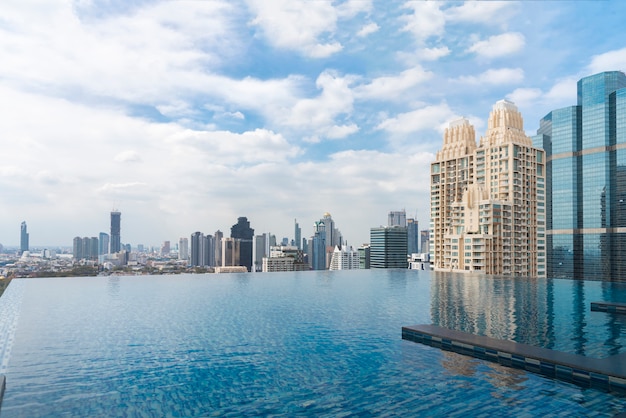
<point>306,343</point>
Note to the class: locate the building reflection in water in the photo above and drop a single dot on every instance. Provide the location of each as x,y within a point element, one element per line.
<point>550,313</point>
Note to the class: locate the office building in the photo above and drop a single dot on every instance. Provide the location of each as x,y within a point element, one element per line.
<point>197,250</point>
<point>85,248</point>
<point>231,252</point>
<point>412,236</point>
<point>364,256</point>
<point>217,247</point>
<point>396,218</point>
<point>103,243</point>
<point>424,241</point>
<point>284,258</point>
<point>488,201</point>
<point>242,231</point>
<point>586,181</point>
<point>260,251</point>
<point>116,224</point>
<point>24,245</point>
<point>183,249</point>
<point>165,248</point>
<point>318,246</point>
<point>388,247</point>
<point>297,233</point>
<point>333,235</point>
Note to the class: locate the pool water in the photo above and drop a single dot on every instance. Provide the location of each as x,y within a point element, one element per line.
<point>293,344</point>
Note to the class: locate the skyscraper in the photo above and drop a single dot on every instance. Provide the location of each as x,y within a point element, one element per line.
<point>333,236</point>
<point>24,246</point>
<point>116,223</point>
<point>424,241</point>
<point>586,181</point>
<point>183,249</point>
<point>260,251</point>
<point>103,243</point>
<point>197,249</point>
<point>487,202</point>
<point>388,247</point>
<point>297,234</point>
<point>217,247</point>
<point>231,252</point>
<point>318,246</point>
<point>396,218</point>
<point>242,231</point>
<point>412,236</point>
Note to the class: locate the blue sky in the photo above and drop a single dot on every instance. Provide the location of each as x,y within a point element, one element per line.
<point>185,115</point>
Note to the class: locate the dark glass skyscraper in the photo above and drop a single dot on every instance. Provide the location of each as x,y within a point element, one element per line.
<point>242,231</point>
<point>413,234</point>
<point>116,223</point>
<point>586,181</point>
<point>24,246</point>
<point>388,247</point>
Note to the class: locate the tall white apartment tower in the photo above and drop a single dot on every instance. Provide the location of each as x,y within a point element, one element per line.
<point>488,201</point>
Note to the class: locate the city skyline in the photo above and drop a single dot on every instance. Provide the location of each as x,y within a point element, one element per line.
<point>185,116</point>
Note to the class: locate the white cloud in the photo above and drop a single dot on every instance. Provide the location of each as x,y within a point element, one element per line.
<point>427,20</point>
<point>524,97</point>
<point>128,156</point>
<point>433,54</point>
<point>352,8</point>
<point>116,56</point>
<point>564,91</point>
<point>338,132</point>
<point>297,25</point>
<point>432,117</point>
<point>609,61</point>
<point>487,12</point>
<point>233,149</point>
<point>317,115</point>
<point>499,45</point>
<point>393,87</point>
<point>495,76</point>
<point>368,29</point>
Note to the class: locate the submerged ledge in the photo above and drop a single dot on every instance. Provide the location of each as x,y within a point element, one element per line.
<point>608,374</point>
<point>609,307</point>
<point>3,382</point>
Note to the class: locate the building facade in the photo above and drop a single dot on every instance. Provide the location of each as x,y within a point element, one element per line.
<point>388,247</point>
<point>586,181</point>
<point>202,250</point>
<point>488,201</point>
<point>344,258</point>
<point>85,248</point>
<point>183,249</point>
<point>24,244</point>
<point>396,218</point>
<point>412,236</point>
<point>317,248</point>
<point>116,227</point>
<point>284,258</point>
<point>103,243</point>
<point>242,231</point>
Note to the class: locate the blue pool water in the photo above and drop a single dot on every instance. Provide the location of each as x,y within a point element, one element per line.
<point>293,344</point>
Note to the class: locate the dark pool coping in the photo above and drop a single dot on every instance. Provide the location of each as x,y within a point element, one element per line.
<point>610,307</point>
<point>607,373</point>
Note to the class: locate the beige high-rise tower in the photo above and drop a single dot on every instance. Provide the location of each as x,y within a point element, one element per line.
<point>488,201</point>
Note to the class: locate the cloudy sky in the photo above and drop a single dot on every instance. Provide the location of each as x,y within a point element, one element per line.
<point>185,115</point>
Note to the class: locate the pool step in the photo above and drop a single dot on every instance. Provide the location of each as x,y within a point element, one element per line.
<point>608,374</point>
